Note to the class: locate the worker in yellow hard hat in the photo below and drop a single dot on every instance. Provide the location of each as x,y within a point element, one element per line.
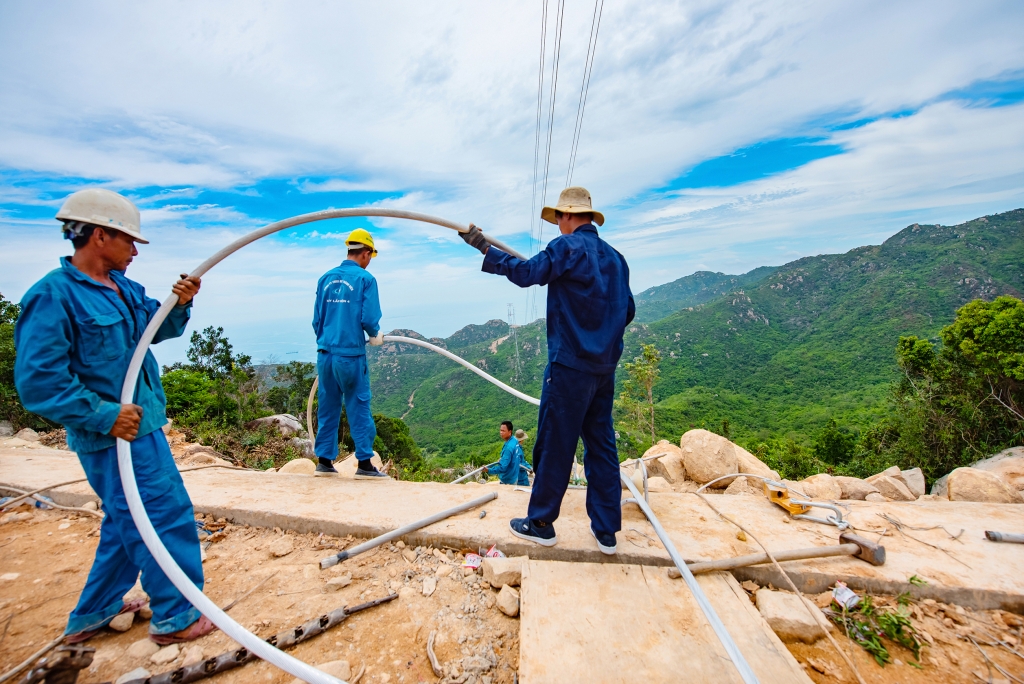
<point>347,305</point>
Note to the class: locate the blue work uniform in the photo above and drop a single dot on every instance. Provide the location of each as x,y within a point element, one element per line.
<point>509,467</point>
<point>589,307</point>
<point>74,340</point>
<point>347,305</point>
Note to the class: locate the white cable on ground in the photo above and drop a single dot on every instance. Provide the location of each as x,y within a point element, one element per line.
<point>244,637</point>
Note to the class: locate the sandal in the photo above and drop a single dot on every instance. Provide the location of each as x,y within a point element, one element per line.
<point>131,607</point>
<point>199,628</point>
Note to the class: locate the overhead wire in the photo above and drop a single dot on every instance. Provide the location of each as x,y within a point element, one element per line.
<point>534,238</point>
<point>588,69</point>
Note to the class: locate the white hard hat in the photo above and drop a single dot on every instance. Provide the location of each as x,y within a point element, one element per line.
<point>103,208</point>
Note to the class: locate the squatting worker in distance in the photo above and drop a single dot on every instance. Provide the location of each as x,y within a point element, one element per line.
<point>347,305</point>
<point>78,328</point>
<point>589,307</point>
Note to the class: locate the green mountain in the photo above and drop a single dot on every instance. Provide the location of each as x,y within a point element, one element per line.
<point>692,290</point>
<point>776,351</point>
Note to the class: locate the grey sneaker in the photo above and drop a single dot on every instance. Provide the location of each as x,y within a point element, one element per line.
<point>325,470</point>
<point>372,474</point>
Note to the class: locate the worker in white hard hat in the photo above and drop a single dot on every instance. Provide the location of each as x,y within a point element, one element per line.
<point>347,306</point>
<point>78,328</point>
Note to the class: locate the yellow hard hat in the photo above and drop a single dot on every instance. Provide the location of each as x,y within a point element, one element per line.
<point>359,236</point>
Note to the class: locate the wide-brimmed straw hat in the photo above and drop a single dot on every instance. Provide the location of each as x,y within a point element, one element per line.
<point>572,201</point>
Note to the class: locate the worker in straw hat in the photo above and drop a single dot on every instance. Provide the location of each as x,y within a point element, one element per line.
<point>589,307</point>
<point>347,305</point>
<point>78,328</point>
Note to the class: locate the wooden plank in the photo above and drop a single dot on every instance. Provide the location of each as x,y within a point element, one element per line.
<point>610,624</point>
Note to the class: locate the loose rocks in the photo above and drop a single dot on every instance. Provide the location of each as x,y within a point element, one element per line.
<point>875,497</point>
<point>914,479</point>
<point>508,601</point>
<point>338,668</point>
<point>670,465</point>
<point>27,434</point>
<point>854,487</point>
<point>122,622</point>
<point>708,456</point>
<point>193,654</point>
<point>499,571</point>
<point>137,673</point>
<point>285,423</point>
<point>891,488</point>
<point>821,486</point>
<point>429,585</point>
<point>443,570</point>
<point>281,547</point>
<point>300,466</point>
<point>742,486</point>
<point>970,484</point>
<point>790,620</point>
<point>143,648</point>
<point>409,555</point>
<point>338,583</point>
<point>165,655</point>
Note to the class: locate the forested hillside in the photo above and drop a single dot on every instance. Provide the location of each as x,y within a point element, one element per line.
<point>774,352</point>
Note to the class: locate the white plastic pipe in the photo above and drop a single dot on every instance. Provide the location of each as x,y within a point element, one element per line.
<point>235,631</point>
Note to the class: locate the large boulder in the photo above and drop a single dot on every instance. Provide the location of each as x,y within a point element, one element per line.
<point>891,488</point>
<point>939,487</point>
<point>751,464</point>
<point>287,424</point>
<point>821,486</point>
<point>854,487</point>
<point>971,484</point>
<point>914,479</point>
<point>669,462</point>
<point>301,466</point>
<point>708,456</point>
<point>1007,465</point>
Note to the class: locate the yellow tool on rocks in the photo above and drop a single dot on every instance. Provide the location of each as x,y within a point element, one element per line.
<point>778,494</point>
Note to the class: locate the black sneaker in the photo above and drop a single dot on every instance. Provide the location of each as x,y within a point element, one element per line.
<point>539,533</point>
<point>325,469</point>
<point>605,542</point>
<point>371,474</point>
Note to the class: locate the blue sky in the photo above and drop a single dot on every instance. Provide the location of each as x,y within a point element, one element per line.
<point>718,135</point>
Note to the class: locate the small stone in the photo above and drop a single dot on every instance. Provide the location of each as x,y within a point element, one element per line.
<point>741,535</point>
<point>429,585</point>
<point>137,673</point>
<point>443,570</point>
<point>90,506</point>
<point>27,434</point>
<point>499,571</point>
<point>790,620</point>
<point>876,497</point>
<point>281,547</point>
<point>508,601</point>
<point>64,526</point>
<point>400,544</point>
<point>392,572</point>
<point>752,587</point>
<point>143,648</point>
<point>9,576</point>
<point>338,583</point>
<point>489,600</point>
<point>466,572</point>
<point>193,654</point>
<point>300,466</point>
<point>165,655</point>
<point>409,555</point>
<point>122,622</point>
<point>338,668</point>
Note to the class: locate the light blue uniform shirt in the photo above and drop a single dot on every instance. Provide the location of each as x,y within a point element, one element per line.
<point>512,457</point>
<point>73,341</point>
<point>347,304</point>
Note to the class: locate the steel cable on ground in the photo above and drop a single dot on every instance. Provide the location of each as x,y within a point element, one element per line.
<point>147,532</point>
<point>588,69</point>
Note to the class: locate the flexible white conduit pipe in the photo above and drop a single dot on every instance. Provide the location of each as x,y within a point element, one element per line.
<point>244,637</point>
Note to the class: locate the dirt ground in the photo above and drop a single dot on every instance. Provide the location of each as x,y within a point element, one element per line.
<point>44,562</point>
<point>51,554</point>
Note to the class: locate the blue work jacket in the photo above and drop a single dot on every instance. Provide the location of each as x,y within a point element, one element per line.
<point>589,301</point>
<point>74,339</point>
<point>512,457</point>
<point>346,305</point>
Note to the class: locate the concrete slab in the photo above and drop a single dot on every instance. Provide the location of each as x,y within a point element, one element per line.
<point>631,623</point>
<point>969,571</point>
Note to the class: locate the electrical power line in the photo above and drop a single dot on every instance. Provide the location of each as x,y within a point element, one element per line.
<point>554,92</point>
<point>534,239</point>
<point>588,69</point>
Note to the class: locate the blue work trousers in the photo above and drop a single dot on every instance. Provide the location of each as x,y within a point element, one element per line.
<point>576,404</point>
<point>344,378</point>
<point>121,553</point>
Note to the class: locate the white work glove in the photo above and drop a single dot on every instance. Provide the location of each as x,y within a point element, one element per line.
<point>378,340</point>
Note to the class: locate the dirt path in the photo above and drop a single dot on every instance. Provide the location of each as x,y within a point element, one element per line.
<point>411,406</point>
<point>50,556</point>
